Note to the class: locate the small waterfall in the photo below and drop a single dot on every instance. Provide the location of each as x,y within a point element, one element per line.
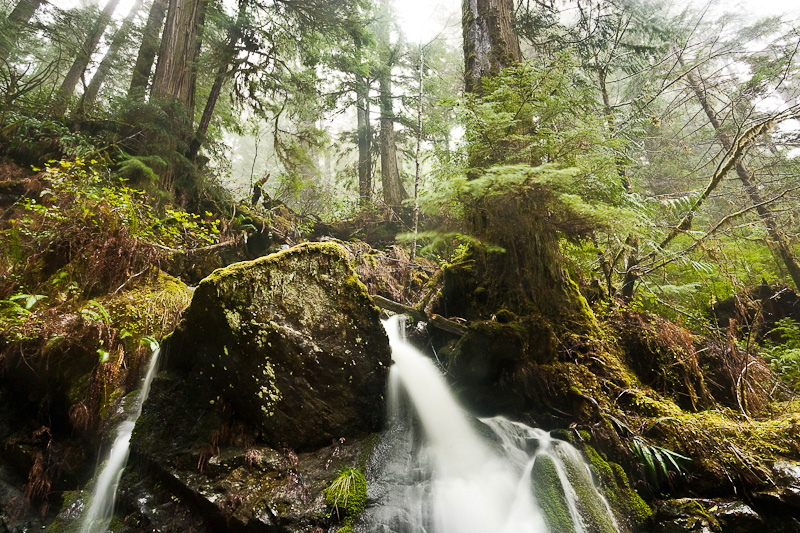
<point>439,470</point>
<point>98,514</point>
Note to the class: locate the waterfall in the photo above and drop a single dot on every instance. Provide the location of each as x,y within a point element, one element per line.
<point>439,470</point>
<point>98,514</point>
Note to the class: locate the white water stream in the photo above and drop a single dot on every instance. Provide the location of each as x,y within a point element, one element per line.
<point>97,516</point>
<point>461,475</point>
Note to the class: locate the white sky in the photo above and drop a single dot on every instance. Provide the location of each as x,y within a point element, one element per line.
<point>422,19</point>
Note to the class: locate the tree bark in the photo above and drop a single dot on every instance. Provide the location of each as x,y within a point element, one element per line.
<point>110,59</point>
<point>777,241</point>
<point>23,11</point>
<point>176,73</point>
<point>393,191</point>
<point>176,76</point>
<point>363,132</point>
<point>364,156</point>
<point>418,154</point>
<point>490,43</point>
<point>147,51</point>
<point>19,16</point>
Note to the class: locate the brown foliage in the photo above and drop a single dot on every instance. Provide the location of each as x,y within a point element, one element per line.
<point>663,355</point>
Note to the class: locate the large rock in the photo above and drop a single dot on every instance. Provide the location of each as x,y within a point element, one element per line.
<point>293,342</point>
<point>198,464</point>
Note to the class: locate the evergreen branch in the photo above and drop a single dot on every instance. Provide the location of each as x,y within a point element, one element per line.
<point>723,222</point>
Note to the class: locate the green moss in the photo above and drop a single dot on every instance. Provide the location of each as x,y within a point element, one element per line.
<point>646,403</point>
<point>347,495</point>
<point>242,268</point>
<point>150,308</point>
<point>550,496</point>
<point>369,445</point>
<point>617,489</point>
<point>750,446</point>
<point>116,524</point>
<point>693,508</point>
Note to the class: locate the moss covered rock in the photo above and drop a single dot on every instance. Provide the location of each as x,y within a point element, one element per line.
<point>292,341</point>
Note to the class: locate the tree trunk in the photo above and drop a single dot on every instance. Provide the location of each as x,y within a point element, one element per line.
<point>19,16</point>
<point>99,78</point>
<point>364,142</point>
<point>176,76</point>
<point>393,191</point>
<point>418,154</point>
<point>631,250</point>
<point>147,51</point>
<point>777,241</point>
<point>364,136</point>
<point>490,44</point>
<point>208,112</point>
<point>176,73</point>
<point>227,56</point>
<point>529,276</point>
<point>78,68</point>
<point>23,11</point>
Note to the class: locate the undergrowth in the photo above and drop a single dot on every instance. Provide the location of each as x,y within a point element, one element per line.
<point>784,357</point>
<point>82,299</point>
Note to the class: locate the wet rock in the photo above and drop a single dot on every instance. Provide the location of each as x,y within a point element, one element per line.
<point>713,515</point>
<point>785,494</point>
<point>293,342</point>
<point>685,514</point>
<point>196,462</point>
<point>488,360</point>
<point>734,516</point>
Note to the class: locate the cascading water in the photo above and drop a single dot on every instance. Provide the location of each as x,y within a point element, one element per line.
<point>462,475</point>
<point>98,514</point>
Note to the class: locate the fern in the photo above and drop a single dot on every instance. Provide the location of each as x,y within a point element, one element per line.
<point>140,169</point>
<point>661,465</point>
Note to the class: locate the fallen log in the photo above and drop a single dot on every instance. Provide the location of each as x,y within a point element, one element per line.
<point>444,324</point>
<point>437,321</point>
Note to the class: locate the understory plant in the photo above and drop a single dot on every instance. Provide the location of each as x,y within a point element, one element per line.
<point>784,357</point>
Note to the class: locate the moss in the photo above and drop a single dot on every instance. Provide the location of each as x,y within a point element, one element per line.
<point>241,269</point>
<point>550,496</point>
<point>369,445</point>
<point>150,308</point>
<point>115,524</point>
<point>663,356</point>
<point>692,508</point>
<point>724,447</point>
<point>648,404</point>
<point>347,495</point>
<point>626,502</point>
<point>505,316</point>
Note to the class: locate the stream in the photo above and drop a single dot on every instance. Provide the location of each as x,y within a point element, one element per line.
<point>439,470</point>
<point>100,509</point>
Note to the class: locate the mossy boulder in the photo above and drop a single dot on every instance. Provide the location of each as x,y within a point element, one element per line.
<point>292,341</point>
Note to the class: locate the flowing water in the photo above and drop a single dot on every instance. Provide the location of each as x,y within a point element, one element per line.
<point>439,470</point>
<point>97,516</point>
